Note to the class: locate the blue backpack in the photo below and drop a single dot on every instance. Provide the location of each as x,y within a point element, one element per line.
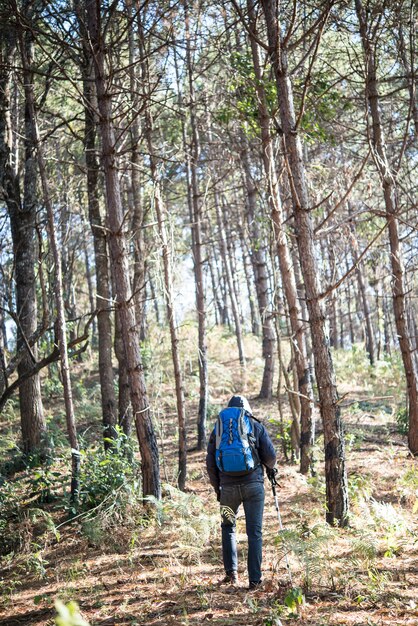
<point>236,452</point>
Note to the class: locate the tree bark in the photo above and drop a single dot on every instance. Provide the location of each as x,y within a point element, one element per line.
<point>101,258</point>
<point>335,470</point>
<point>119,254</point>
<point>390,197</point>
<point>58,288</point>
<point>229,279</point>
<point>249,279</point>
<point>192,158</point>
<point>285,262</point>
<point>22,216</point>
<point>138,212</point>
<point>259,262</point>
<point>370,340</point>
<point>162,218</point>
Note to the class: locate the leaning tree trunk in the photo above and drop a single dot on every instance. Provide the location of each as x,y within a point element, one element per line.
<point>285,262</point>
<point>335,470</point>
<point>119,255</point>
<point>390,197</point>
<point>22,222</point>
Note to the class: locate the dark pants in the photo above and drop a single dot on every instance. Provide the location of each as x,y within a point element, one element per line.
<point>251,495</point>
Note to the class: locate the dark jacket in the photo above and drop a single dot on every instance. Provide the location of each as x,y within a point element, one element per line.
<point>265,450</point>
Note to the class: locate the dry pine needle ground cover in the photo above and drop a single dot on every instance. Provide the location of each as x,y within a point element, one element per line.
<point>165,570</point>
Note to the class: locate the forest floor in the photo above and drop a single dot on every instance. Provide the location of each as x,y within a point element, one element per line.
<point>135,570</point>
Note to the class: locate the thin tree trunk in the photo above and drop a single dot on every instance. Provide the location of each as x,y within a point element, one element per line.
<point>230,237</point>
<point>225,319</point>
<point>155,301</point>
<point>249,279</point>
<point>229,278</point>
<point>332,298</point>
<point>390,197</point>
<point>259,262</point>
<point>124,392</point>
<point>197,243</point>
<point>138,213</point>
<point>349,313</point>
<point>90,288</point>
<point>119,255</point>
<point>409,69</point>
<point>166,252</point>
<point>335,470</point>
<point>386,325</point>
<point>370,340</point>
<point>217,305</point>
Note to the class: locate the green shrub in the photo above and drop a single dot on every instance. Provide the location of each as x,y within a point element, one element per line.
<point>109,473</point>
<point>402,421</point>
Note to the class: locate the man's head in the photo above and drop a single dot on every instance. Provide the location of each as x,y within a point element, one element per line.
<point>241,403</point>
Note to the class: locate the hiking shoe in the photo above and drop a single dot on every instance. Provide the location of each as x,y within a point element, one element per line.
<point>253,586</point>
<point>231,578</point>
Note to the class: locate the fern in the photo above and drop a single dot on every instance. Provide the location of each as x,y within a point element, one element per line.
<point>311,548</point>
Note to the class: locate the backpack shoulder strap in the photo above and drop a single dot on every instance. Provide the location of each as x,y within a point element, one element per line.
<point>219,429</point>
<point>242,427</point>
<point>252,440</point>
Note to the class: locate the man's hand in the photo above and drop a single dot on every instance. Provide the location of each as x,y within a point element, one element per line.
<point>271,473</point>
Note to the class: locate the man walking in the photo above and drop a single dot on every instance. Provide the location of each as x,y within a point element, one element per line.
<point>238,448</point>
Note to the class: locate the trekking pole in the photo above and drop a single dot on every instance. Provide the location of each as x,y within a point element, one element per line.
<point>272,478</point>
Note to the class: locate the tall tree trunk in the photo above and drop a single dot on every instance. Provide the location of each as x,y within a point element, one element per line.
<point>101,258</point>
<point>370,340</point>
<point>229,278</point>
<point>124,392</point>
<point>138,213</point>
<point>409,69</point>
<point>217,304</point>
<point>285,263</point>
<point>335,470</point>
<point>58,286</point>
<point>22,221</point>
<point>249,279</point>
<point>230,237</point>
<point>192,158</point>
<point>119,254</point>
<point>259,262</point>
<point>390,196</point>
<point>90,287</point>
<point>333,339</point>
<point>162,218</point>
<point>225,317</point>
<point>154,299</point>
<point>349,313</point>
<point>387,325</point>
